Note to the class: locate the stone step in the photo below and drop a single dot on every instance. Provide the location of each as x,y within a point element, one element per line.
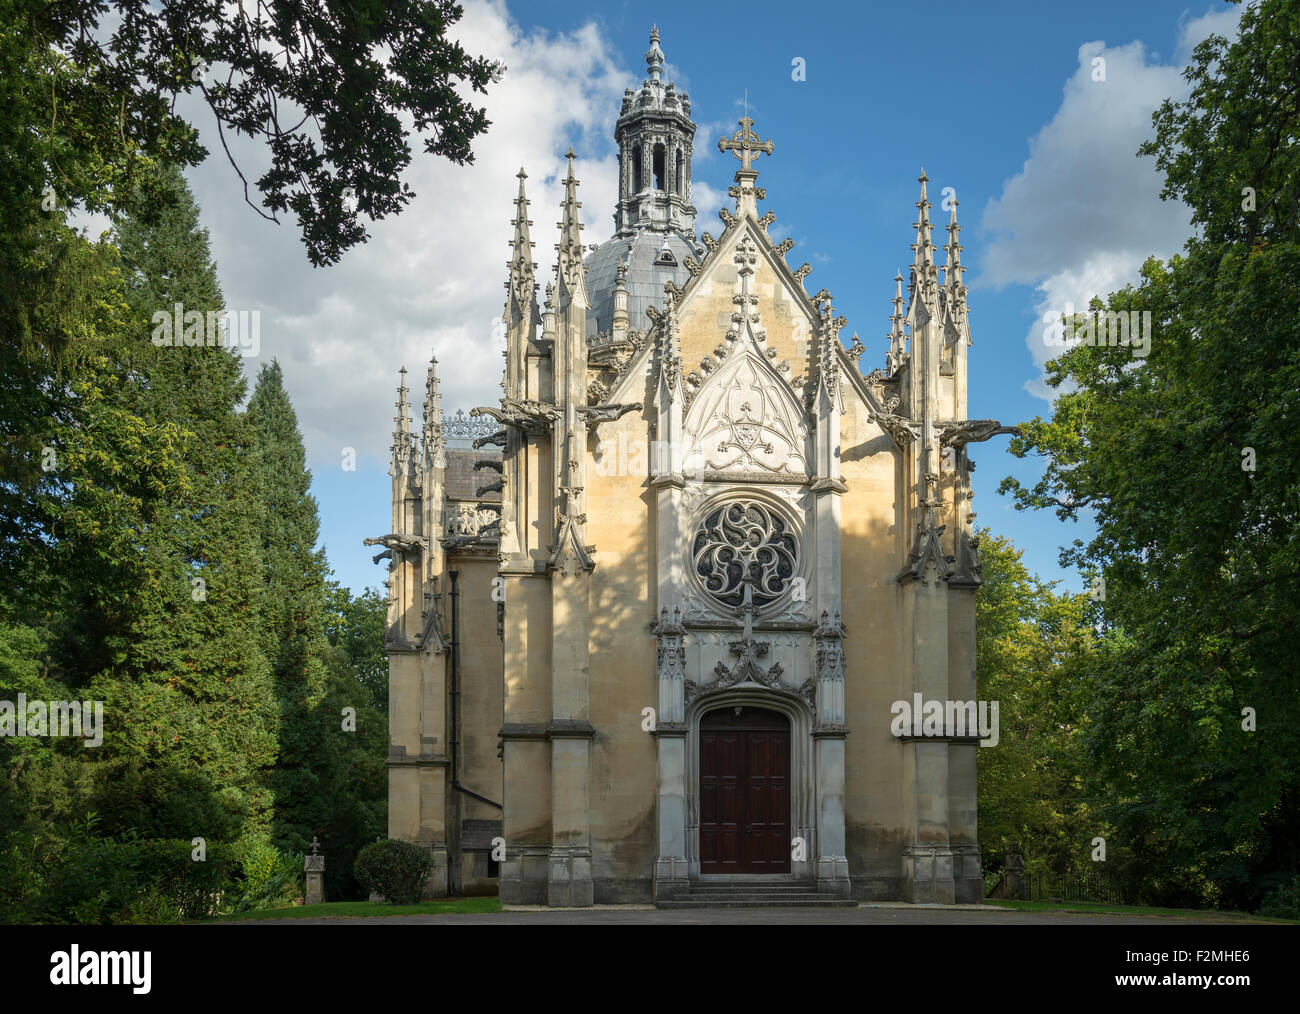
<point>792,899</point>
<point>759,902</point>
<point>755,889</point>
<point>739,894</point>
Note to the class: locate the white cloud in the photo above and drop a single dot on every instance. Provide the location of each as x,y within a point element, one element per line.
<point>1084,212</point>
<point>429,280</point>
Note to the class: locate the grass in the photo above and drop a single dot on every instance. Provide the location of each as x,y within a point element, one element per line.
<point>1098,909</point>
<point>354,909</point>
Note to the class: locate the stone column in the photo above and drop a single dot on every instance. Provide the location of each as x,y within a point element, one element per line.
<point>672,876</point>
<point>569,882</point>
<point>928,858</point>
<point>832,858</point>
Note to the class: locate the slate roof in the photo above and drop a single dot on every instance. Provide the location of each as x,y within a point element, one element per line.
<point>462,482</point>
<point>645,278</point>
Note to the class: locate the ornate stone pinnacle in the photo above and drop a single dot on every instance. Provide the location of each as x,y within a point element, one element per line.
<point>654,57</point>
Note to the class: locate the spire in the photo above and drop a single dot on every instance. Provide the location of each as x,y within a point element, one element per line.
<point>952,268</point>
<point>897,337</point>
<point>654,57</point>
<point>521,302</point>
<point>434,447</point>
<point>403,440</point>
<point>952,278</point>
<point>570,276</point>
<point>924,245</point>
<point>923,283</point>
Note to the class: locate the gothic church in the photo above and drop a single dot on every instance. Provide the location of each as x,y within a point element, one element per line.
<point>649,614</point>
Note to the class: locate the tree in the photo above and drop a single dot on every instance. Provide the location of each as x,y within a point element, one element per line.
<point>1189,462</point>
<point>1032,647</point>
<point>187,667</point>
<point>293,621</point>
<point>356,625</point>
<point>354,782</point>
<point>334,90</point>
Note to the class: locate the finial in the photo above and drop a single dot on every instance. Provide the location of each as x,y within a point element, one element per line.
<point>315,845</point>
<point>654,57</point>
<point>521,174</point>
<point>745,145</point>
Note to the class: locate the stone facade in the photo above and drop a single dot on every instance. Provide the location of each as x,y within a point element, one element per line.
<point>692,499</point>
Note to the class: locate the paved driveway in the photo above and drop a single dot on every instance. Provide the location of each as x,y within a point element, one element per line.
<point>867,915</point>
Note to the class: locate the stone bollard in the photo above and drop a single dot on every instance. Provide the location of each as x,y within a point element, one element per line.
<point>314,865</point>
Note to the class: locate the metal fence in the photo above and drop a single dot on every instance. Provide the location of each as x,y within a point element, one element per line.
<point>1067,887</point>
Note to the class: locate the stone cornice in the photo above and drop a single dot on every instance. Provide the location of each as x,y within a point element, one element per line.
<point>772,627</point>
<point>521,730</point>
<point>560,728</point>
<point>424,760</point>
<point>570,728</point>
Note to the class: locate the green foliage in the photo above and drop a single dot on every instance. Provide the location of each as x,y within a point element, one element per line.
<point>1200,556</point>
<point>106,880</point>
<point>1031,646</point>
<point>356,625</point>
<point>334,91</point>
<point>393,869</point>
<point>166,566</point>
<point>1283,902</point>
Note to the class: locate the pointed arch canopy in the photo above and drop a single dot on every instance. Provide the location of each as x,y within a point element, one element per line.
<point>745,422</point>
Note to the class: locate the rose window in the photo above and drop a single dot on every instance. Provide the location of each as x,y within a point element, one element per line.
<point>744,542</point>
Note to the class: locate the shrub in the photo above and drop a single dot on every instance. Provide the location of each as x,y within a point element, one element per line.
<point>104,881</point>
<point>279,885</point>
<point>1283,902</point>
<point>394,870</point>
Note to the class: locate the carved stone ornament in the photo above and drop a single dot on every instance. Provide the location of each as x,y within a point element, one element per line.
<point>745,542</point>
<point>746,420</point>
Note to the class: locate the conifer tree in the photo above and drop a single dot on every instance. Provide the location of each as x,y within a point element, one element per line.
<point>293,625</point>
<point>187,678</point>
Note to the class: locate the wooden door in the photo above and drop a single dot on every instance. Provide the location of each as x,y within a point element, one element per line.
<point>744,791</point>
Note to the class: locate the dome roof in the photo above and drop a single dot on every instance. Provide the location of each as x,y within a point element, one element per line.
<point>647,271</point>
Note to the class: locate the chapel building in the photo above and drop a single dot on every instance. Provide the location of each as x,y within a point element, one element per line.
<point>650,613</point>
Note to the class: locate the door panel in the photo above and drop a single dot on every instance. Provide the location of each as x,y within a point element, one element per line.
<point>744,792</point>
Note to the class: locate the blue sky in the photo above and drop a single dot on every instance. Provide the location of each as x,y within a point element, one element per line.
<point>998,102</point>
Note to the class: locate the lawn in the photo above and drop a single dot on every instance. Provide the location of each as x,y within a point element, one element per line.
<point>1080,906</point>
<point>352,909</point>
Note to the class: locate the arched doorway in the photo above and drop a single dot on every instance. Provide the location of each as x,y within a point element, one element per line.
<point>744,791</point>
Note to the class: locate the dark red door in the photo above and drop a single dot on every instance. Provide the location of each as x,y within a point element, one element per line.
<point>744,792</point>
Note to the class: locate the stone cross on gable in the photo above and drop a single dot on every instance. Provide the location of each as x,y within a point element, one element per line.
<point>745,145</point>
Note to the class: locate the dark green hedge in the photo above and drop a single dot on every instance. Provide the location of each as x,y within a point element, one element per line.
<point>396,870</point>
